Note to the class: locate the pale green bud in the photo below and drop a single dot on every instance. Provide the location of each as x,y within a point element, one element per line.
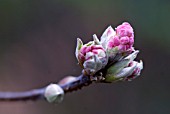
<point>54,93</point>
<point>121,69</point>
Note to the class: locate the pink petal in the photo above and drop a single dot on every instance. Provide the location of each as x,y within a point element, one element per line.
<point>124,40</point>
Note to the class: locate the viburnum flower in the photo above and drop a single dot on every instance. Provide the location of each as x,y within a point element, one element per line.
<point>91,56</point>
<point>119,41</point>
<point>114,54</point>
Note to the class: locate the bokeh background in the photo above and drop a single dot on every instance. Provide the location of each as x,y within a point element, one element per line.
<point>37,44</point>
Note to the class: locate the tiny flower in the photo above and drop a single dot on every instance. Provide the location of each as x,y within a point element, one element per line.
<point>91,56</point>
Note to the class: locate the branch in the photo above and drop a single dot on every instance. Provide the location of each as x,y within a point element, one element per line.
<point>37,94</point>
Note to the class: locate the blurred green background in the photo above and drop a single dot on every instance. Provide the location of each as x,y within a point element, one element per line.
<point>37,43</point>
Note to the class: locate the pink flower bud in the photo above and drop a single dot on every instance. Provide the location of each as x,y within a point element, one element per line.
<point>136,72</point>
<point>124,38</point>
<point>124,29</point>
<point>92,57</point>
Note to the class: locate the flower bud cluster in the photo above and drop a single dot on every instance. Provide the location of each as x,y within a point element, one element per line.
<point>114,49</point>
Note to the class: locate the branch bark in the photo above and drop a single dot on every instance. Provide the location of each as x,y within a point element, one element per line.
<point>38,94</point>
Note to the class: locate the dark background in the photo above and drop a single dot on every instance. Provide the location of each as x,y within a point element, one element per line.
<point>37,44</point>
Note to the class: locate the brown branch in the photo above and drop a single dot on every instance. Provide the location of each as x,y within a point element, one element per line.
<point>22,96</point>
<point>38,94</point>
<point>80,82</point>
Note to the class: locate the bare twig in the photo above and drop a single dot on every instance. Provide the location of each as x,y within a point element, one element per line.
<point>22,96</point>
<point>37,94</point>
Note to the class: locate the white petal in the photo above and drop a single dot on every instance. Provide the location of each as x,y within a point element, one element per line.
<point>126,71</point>
<point>132,56</point>
<point>106,36</point>
<point>140,65</point>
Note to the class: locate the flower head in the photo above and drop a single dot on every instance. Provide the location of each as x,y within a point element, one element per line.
<point>122,39</point>
<point>114,54</point>
<point>91,56</point>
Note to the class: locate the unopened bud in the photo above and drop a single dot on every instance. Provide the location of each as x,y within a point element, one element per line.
<point>54,93</point>
<point>91,56</point>
<point>124,69</point>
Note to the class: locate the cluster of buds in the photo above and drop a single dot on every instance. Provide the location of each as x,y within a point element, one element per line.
<point>91,57</point>
<point>114,53</point>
